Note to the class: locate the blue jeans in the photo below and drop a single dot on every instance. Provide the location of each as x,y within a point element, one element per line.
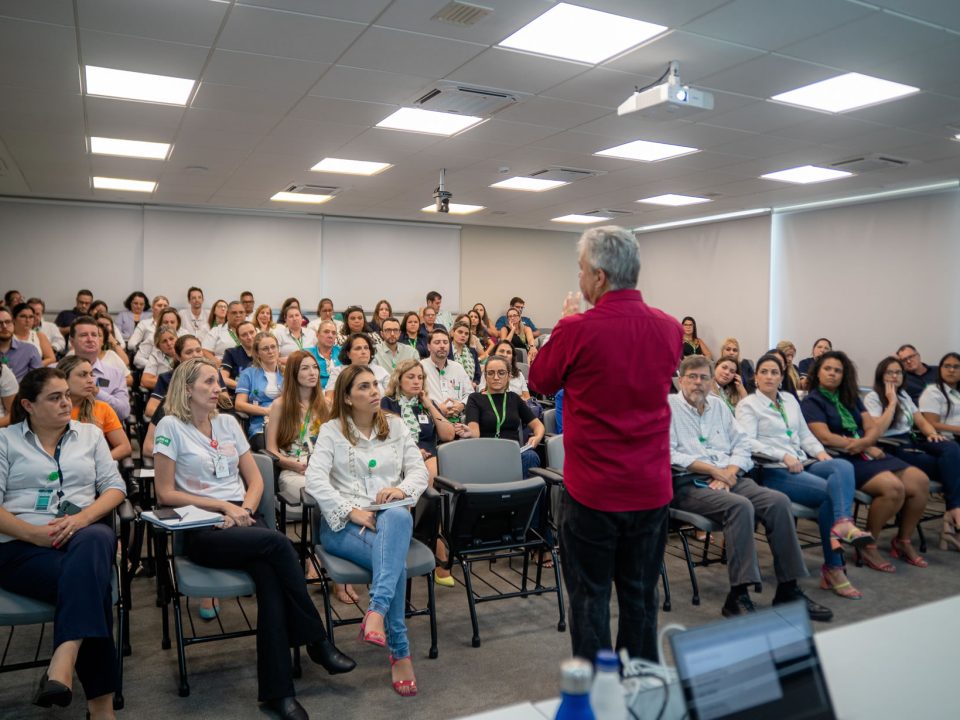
<point>529,459</point>
<point>827,485</point>
<point>384,554</point>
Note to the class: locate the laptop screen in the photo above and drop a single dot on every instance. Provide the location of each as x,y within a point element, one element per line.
<point>756,666</point>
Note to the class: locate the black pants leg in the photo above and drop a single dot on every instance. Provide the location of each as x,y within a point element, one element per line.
<point>286,616</point>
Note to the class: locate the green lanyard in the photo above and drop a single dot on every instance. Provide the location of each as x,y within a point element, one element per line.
<point>236,340</point>
<point>723,396</point>
<point>303,433</point>
<point>779,408</point>
<point>503,410</point>
<point>298,341</point>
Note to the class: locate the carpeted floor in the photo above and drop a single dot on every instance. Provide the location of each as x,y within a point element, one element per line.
<point>518,659</point>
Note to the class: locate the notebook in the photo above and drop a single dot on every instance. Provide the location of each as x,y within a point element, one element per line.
<point>182,518</point>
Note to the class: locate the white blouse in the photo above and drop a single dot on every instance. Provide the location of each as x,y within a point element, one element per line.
<point>772,437</point>
<point>289,344</point>
<point>902,421</point>
<point>933,401</point>
<point>382,376</point>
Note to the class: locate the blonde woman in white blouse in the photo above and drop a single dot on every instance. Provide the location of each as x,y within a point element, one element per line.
<point>362,457</point>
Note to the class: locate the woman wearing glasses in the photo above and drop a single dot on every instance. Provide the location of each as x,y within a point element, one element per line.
<point>940,408</point>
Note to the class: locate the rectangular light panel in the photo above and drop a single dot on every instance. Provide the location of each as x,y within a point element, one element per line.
<point>428,121</point>
<point>301,198</point>
<point>350,167</point>
<point>646,151</point>
<point>108,183</point>
<point>127,85</point>
<point>528,184</point>
<point>456,208</point>
<point>129,148</point>
<point>806,174</point>
<point>578,33</point>
<point>845,92</point>
<point>579,219</point>
<point>672,200</point>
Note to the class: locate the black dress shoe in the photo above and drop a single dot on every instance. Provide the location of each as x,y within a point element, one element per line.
<point>737,604</point>
<point>288,708</point>
<point>50,692</point>
<point>325,654</point>
<point>816,611</point>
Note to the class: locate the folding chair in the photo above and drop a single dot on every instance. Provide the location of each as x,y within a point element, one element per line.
<point>488,510</point>
<point>550,421</point>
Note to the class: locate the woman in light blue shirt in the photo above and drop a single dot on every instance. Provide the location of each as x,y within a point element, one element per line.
<point>259,385</point>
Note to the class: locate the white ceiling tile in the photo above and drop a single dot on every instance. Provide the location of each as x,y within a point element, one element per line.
<point>38,56</point>
<point>771,24</point>
<point>826,129</point>
<point>671,14</point>
<point>759,117</point>
<point>508,16</point>
<point>59,12</point>
<point>175,193</point>
<point>371,85</point>
<point>207,119</point>
<point>350,112</point>
<point>930,151</point>
<point>214,141</point>
<point>387,145</point>
<point>932,70</point>
<point>510,70</point>
<point>942,12</point>
<point>289,35</point>
<point>357,10</point>
<point>756,146</point>
<point>767,76</point>
<point>279,99</point>
<point>120,118</point>
<point>123,52</point>
<point>182,21</point>
<point>262,71</point>
<point>218,160</point>
<point>510,133</point>
<point>599,86</point>
<point>552,113</point>
<point>45,146</point>
<point>313,140</point>
<point>40,111</point>
<point>133,168</point>
<point>699,56</point>
<point>919,111</point>
<point>409,53</point>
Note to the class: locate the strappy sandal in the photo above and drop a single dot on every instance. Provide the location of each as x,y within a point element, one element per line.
<point>898,551</point>
<point>844,589</point>
<point>881,566</point>
<point>373,637</point>
<point>854,536</point>
<point>404,688</point>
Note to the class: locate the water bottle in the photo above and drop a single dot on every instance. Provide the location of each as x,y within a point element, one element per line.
<point>606,695</point>
<point>575,679</point>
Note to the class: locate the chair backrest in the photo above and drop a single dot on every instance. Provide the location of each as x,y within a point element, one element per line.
<point>520,354</point>
<point>268,502</point>
<point>480,461</point>
<point>555,452</point>
<point>524,367</point>
<point>550,421</point>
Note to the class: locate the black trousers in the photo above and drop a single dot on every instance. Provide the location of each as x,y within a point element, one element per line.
<point>625,548</point>
<point>76,579</point>
<point>286,616</point>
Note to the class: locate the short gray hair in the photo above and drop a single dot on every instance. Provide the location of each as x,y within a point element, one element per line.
<point>695,362</point>
<point>615,251</point>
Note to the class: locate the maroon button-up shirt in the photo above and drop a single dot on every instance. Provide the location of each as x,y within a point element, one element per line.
<point>615,363</point>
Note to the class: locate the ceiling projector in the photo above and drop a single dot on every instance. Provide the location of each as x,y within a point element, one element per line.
<point>667,100</point>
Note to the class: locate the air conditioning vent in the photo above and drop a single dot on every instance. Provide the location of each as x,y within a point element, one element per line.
<point>461,13</point>
<point>312,189</point>
<point>464,100</point>
<point>563,174</point>
<point>605,212</point>
<point>866,163</point>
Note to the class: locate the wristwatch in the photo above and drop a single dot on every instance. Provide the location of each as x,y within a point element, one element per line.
<point>249,511</point>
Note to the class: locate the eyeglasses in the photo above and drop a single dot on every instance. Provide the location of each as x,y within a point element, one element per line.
<point>391,330</point>
<point>950,367</point>
<point>697,378</point>
<point>908,358</point>
<point>894,373</point>
<point>496,373</point>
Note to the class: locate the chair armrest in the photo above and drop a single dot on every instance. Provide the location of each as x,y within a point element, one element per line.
<point>125,512</point>
<point>449,484</point>
<point>890,442</point>
<point>288,498</point>
<point>551,477</point>
<point>143,472</point>
<point>307,500</point>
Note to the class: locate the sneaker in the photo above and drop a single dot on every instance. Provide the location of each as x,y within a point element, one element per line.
<point>816,611</point>
<point>737,605</point>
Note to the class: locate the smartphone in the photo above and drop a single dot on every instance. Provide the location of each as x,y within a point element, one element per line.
<point>166,514</point>
<point>68,508</point>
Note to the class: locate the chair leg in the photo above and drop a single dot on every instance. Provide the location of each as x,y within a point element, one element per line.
<point>327,612</point>
<point>562,623</point>
<point>690,568</point>
<point>297,667</point>
<point>471,602</point>
<point>184,689</point>
<point>666,587</point>
<point>122,642</point>
<point>923,538</point>
<point>432,607</point>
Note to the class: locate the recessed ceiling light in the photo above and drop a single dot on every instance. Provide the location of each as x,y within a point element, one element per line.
<point>301,197</point>
<point>129,148</point>
<point>674,200</point>
<point>845,92</point>
<point>957,137</point>
<point>646,150</point>
<point>456,208</point>
<point>807,174</point>
<point>138,86</point>
<point>579,219</point>
<point>577,33</point>
<point>428,121</point>
<point>108,183</point>
<point>528,184</point>
<point>705,219</point>
<point>350,167</point>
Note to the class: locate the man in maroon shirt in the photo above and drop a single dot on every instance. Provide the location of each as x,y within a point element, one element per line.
<point>615,363</point>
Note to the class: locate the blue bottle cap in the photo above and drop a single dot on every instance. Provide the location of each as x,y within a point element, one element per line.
<point>607,660</point>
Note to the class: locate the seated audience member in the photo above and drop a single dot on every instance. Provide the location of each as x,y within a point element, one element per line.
<point>940,401</point>
<point>518,383</point>
<point>224,337</point>
<point>325,312</point>
<point>410,334</point>
<point>391,351</point>
<point>293,335</point>
<point>132,314</point>
<point>355,323</point>
<point>23,322</point>
<point>480,339</point>
<point>112,351</point>
<point>295,420</point>
<point>919,442</point>
<point>87,409</point>
<point>11,298</point>
<point>187,347</point>
<point>692,344</point>
<point>707,441</point>
<point>499,413</point>
<point>381,311</point>
<point>148,326</point>
<point>20,357</point>
<point>443,317</point>
<point>170,319</point>
<point>491,330</point>
<point>246,299</point>
<point>428,321</point>
<point>446,380</point>
<point>836,415</point>
<point>237,359</point>
<point>57,341</point>
<point>731,349</point>
<point>326,352</point>
<point>727,384</point>
<point>288,303</point>
<point>216,318</point>
<point>195,317</point>
<point>821,346</point>
<point>86,338</point>
<point>518,334</point>
<point>916,375</point>
<point>99,309</point>
<point>789,351</point>
<point>187,437</point>
<point>81,307</point>
<point>359,432</point>
<point>518,304</point>
<point>263,319</point>
<point>788,385</point>
<point>258,386</point>
<point>161,359</point>
<point>357,349</point>
<point>461,351</point>
<point>776,430</point>
<point>66,560</point>
<point>8,389</point>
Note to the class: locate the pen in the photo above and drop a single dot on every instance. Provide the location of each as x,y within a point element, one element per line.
<point>361,531</point>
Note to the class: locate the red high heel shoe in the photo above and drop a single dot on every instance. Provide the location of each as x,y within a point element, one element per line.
<point>897,546</point>
<point>372,637</point>
<point>404,688</point>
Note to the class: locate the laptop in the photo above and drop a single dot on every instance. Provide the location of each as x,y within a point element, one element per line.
<point>753,667</point>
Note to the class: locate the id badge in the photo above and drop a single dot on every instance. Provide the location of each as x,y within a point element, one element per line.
<point>42,503</point>
<point>422,418</point>
<point>220,467</point>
